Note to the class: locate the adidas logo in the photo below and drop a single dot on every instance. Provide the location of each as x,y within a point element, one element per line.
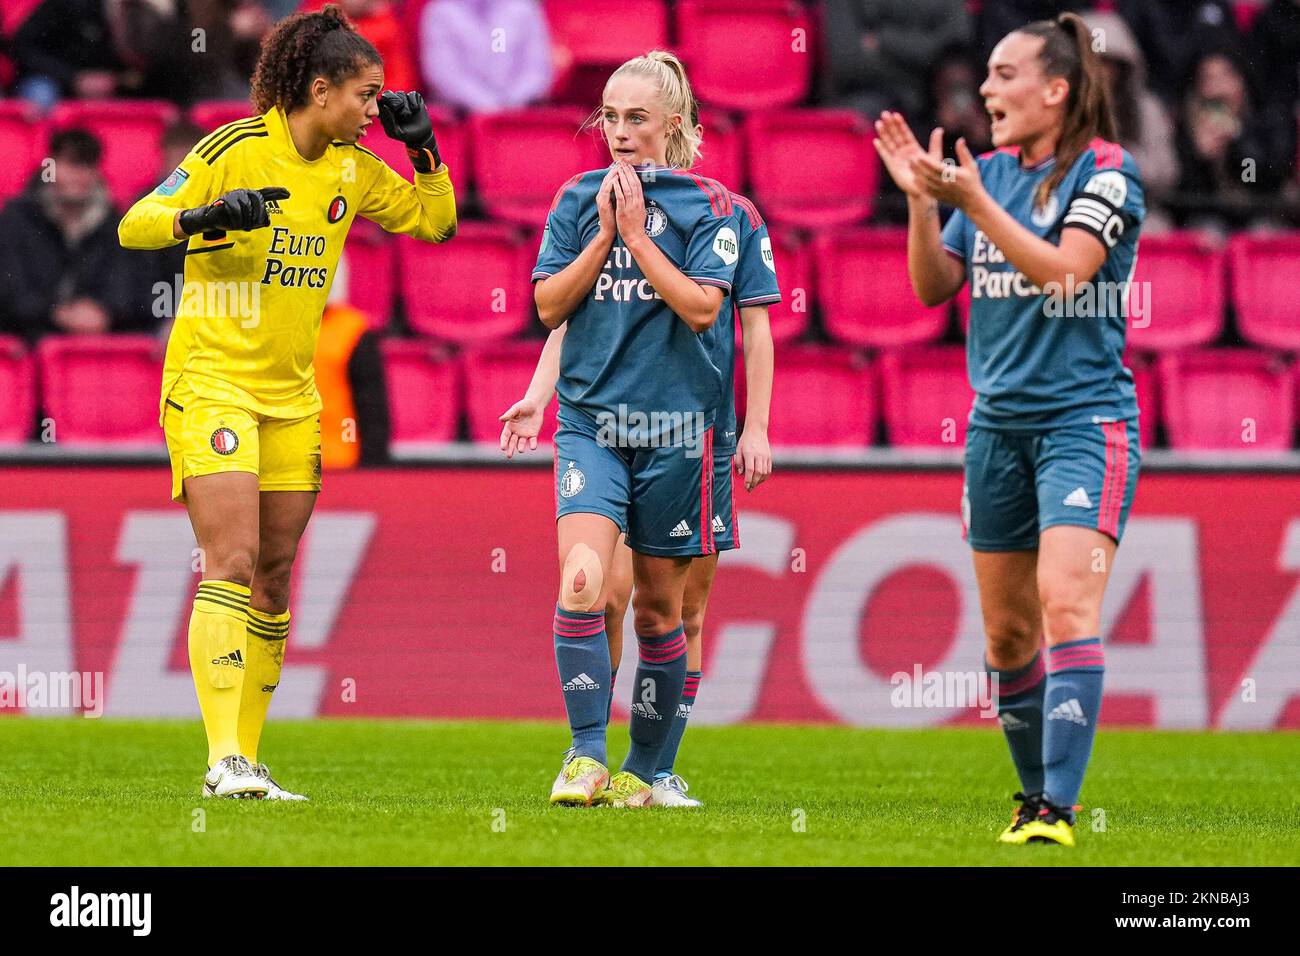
<point>1078,498</point>
<point>684,711</point>
<point>642,709</point>
<point>1071,711</point>
<point>273,207</point>
<point>1010,721</point>
<point>718,526</point>
<point>233,659</point>
<point>581,682</point>
<point>683,530</point>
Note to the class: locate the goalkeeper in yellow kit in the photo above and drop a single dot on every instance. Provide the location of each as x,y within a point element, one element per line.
<point>265,205</point>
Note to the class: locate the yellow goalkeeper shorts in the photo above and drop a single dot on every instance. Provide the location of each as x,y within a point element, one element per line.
<point>206,436</point>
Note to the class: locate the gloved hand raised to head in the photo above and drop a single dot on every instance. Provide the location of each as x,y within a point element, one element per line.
<point>239,209</point>
<point>405,119</point>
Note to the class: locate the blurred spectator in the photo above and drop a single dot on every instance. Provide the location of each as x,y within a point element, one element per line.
<point>232,32</point>
<point>94,49</point>
<point>61,268</point>
<point>485,55</point>
<point>997,18</point>
<point>953,101</point>
<point>165,266</point>
<point>354,423</point>
<point>879,52</point>
<point>1145,127</point>
<point>1174,33</point>
<point>378,22</point>
<point>1235,156</point>
<point>1275,38</point>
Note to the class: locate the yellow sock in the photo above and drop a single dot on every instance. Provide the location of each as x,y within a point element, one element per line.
<point>217,639</point>
<point>265,657</point>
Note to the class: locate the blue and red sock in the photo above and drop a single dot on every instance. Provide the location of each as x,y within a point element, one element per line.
<point>1071,706</point>
<point>1020,712</point>
<point>582,658</point>
<point>656,692</point>
<point>674,742</point>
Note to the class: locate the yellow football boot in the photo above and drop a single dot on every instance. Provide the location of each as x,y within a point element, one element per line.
<point>581,779</point>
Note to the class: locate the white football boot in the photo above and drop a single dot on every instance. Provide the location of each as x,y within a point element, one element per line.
<point>671,792</point>
<point>559,778</point>
<point>273,790</point>
<point>235,777</point>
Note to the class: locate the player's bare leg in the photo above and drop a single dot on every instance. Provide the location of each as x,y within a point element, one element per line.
<point>620,596</point>
<point>223,511</point>
<point>659,587</point>
<point>284,517</point>
<point>586,555</point>
<point>1008,591</point>
<point>1073,567</point>
<point>669,789</point>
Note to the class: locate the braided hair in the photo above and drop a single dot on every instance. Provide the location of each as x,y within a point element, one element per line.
<point>303,47</point>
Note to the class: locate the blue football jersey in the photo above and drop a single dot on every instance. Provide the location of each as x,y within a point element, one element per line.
<point>755,283</point>
<point>627,359</point>
<point>1036,360</point>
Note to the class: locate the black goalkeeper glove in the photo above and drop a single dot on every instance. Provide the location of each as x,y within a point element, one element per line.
<point>239,209</point>
<point>405,119</point>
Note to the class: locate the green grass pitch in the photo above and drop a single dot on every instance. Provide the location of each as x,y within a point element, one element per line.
<point>113,792</point>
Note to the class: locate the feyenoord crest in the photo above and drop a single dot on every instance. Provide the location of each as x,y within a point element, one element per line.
<point>338,208</point>
<point>656,220</point>
<point>1047,215</point>
<point>224,441</point>
<point>572,481</point>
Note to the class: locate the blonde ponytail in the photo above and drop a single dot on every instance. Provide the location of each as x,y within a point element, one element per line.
<point>668,75</point>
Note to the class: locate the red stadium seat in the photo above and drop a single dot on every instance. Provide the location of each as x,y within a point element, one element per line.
<point>865,293</point>
<point>1179,281</point>
<point>13,13</point>
<point>495,378</point>
<point>521,158</point>
<point>131,132</point>
<point>208,116</point>
<point>597,36</point>
<point>18,386</point>
<point>1145,380</point>
<point>927,397</point>
<point>22,142</point>
<point>1264,271</point>
<point>812,168</point>
<point>723,152</point>
<point>101,389</point>
<point>775,67</point>
<point>370,267</point>
<point>453,147</point>
<point>1227,400</point>
<point>603,33</point>
<point>472,289</point>
<point>794,274</point>
<point>423,392</point>
<point>822,396</point>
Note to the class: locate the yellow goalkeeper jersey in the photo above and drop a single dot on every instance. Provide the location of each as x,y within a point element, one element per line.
<point>249,311</point>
